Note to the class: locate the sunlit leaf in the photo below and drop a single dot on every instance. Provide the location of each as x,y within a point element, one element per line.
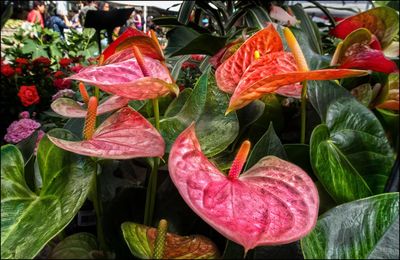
<point>362,229</point>
<point>140,240</point>
<point>29,220</point>
<point>125,134</point>
<point>274,202</point>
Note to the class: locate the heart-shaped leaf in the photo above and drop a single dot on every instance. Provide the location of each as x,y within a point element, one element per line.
<point>355,52</point>
<point>125,134</point>
<point>126,79</point>
<point>76,246</point>
<point>176,105</point>
<point>383,22</point>
<point>205,106</point>
<point>362,229</point>
<point>30,220</point>
<point>185,40</point>
<point>230,72</point>
<point>274,202</point>
<point>350,153</point>
<point>131,37</point>
<point>70,108</point>
<point>141,239</point>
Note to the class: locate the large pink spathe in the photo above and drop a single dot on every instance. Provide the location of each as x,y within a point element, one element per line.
<point>126,79</point>
<point>124,135</point>
<point>275,202</point>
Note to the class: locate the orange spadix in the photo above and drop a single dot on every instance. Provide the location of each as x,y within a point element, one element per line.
<point>240,160</point>
<point>90,120</point>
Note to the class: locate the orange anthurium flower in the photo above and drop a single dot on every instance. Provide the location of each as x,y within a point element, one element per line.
<point>249,78</point>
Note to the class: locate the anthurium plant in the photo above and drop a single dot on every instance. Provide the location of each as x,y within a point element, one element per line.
<point>279,149</point>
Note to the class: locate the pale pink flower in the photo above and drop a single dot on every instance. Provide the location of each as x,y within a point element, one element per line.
<point>20,130</point>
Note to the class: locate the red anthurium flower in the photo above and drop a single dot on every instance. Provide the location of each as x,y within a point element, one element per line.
<point>136,78</point>
<point>148,46</point>
<point>267,73</point>
<point>274,202</point>
<point>361,50</point>
<point>223,54</point>
<point>125,134</point>
<point>383,22</point>
<point>391,99</point>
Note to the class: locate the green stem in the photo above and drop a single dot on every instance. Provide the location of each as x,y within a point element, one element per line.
<point>98,207</point>
<point>303,112</point>
<point>152,184</point>
<point>97,93</point>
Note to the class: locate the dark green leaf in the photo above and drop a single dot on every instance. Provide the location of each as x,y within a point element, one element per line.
<point>299,154</point>
<point>269,144</point>
<point>185,11</point>
<point>76,246</point>
<point>309,28</point>
<point>257,16</point>
<point>184,40</point>
<point>176,105</point>
<point>28,220</point>
<point>178,66</point>
<point>206,106</point>
<point>362,229</point>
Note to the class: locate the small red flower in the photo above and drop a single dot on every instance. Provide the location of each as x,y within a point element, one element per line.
<point>197,57</point>
<point>64,62</point>
<point>41,61</point>
<point>28,95</point>
<point>21,61</point>
<point>76,68</point>
<point>62,83</point>
<point>7,70</point>
<point>18,71</point>
<point>188,64</point>
<point>58,74</point>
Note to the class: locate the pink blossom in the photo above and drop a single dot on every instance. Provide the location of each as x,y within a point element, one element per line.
<point>39,137</point>
<point>63,93</point>
<point>20,130</point>
<point>24,114</point>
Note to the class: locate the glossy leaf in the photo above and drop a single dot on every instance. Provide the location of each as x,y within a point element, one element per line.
<point>269,144</point>
<point>126,79</point>
<point>229,73</point>
<point>185,11</point>
<point>176,105</point>
<point>125,134</point>
<point>76,246</point>
<point>362,229</point>
<point>132,37</point>
<point>30,220</point>
<point>383,22</point>
<point>205,106</point>
<point>70,108</point>
<point>185,40</point>
<point>274,202</point>
<point>355,52</point>
<point>140,240</point>
<point>257,17</point>
<point>350,154</point>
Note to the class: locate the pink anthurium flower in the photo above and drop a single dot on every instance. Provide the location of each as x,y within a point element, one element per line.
<point>274,202</point>
<point>257,69</point>
<point>125,134</point>
<point>70,108</point>
<point>138,78</point>
<point>361,50</point>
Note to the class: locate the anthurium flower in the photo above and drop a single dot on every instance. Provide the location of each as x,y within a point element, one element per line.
<point>360,50</point>
<point>391,99</point>
<point>383,22</point>
<point>274,202</point>
<point>148,46</point>
<point>135,78</point>
<point>250,76</point>
<point>125,134</point>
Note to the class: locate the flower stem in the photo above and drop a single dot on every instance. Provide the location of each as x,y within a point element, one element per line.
<point>97,92</point>
<point>98,207</point>
<point>303,112</point>
<point>152,184</point>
